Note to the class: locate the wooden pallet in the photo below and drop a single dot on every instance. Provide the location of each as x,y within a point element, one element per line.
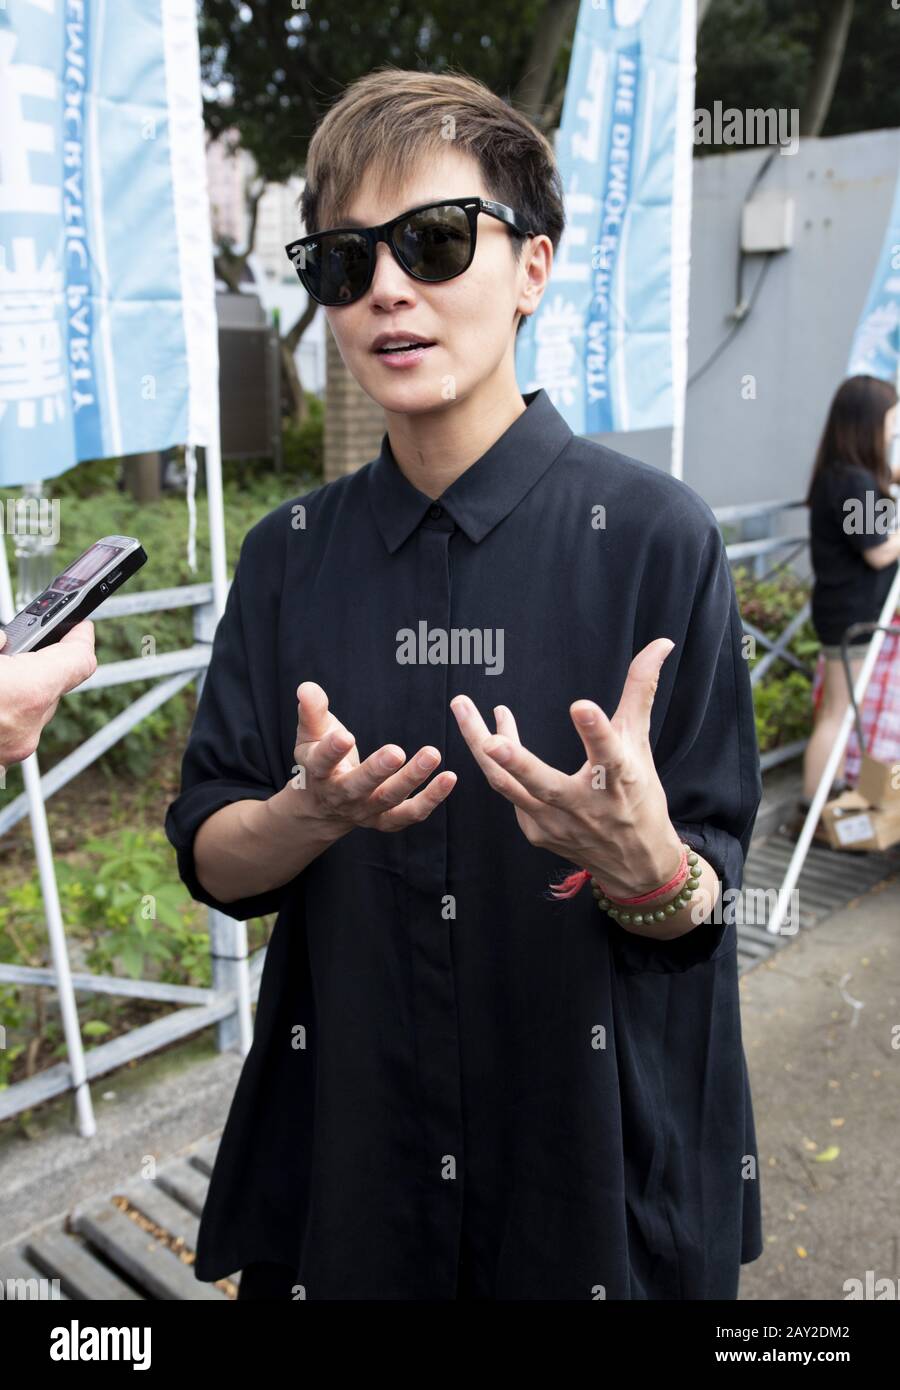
<point>136,1243</point>
<point>828,881</point>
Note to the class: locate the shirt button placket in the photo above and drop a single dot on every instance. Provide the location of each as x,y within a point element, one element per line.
<point>430,928</point>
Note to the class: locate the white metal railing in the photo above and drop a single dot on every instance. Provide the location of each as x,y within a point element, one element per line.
<point>762,518</point>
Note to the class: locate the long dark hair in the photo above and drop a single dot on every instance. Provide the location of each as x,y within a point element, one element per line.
<point>854,430</point>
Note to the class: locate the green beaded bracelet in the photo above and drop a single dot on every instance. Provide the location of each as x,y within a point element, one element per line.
<point>659,914</point>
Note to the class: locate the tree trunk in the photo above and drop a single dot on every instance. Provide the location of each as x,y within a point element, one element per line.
<point>827,60</point>
<point>291,379</point>
<point>288,364</point>
<point>141,475</point>
<point>556,23</point>
<point>229,264</point>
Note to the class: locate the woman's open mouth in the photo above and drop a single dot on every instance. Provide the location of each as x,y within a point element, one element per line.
<point>403,355</point>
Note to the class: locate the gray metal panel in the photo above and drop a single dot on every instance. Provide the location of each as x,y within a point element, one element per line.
<point>247,391</point>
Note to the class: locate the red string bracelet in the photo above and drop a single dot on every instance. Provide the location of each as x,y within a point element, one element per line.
<point>687,878</point>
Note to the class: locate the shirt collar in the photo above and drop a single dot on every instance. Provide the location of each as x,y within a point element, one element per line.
<point>487,491</point>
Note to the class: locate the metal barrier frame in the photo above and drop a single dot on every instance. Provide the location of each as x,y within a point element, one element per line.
<point>235,976</point>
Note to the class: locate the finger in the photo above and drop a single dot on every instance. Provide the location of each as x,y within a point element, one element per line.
<point>313,718</point>
<point>418,808</point>
<point>2,637</point>
<point>636,703</point>
<point>506,724</point>
<point>323,756</point>
<point>603,744</point>
<point>383,785</point>
<point>357,782</point>
<point>81,632</point>
<point>476,733</point>
<point>67,663</point>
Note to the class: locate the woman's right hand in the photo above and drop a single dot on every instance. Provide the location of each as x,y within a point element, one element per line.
<point>342,792</point>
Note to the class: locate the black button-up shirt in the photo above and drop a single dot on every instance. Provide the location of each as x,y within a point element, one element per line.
<point>490,1077</point>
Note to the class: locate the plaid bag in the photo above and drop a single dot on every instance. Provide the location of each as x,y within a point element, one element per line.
<point>880,712</point>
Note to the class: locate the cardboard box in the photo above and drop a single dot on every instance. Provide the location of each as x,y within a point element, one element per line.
<point>879,783</point>
<point>852,823</point>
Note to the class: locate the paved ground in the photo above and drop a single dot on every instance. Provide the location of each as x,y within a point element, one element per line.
<point>824,1084</point>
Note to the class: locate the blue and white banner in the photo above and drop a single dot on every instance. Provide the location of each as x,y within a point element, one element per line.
<point>876,343</point>
<point>108,337</point>
<point>609,340</point>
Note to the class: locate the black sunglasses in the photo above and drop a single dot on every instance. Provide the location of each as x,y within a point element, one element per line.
<point>432,243</point>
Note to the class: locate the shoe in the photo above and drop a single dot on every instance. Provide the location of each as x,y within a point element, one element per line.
<point>793,828</point>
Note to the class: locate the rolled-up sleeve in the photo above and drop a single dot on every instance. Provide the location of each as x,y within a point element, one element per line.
<point>231,754</point>
<point>703,736</point>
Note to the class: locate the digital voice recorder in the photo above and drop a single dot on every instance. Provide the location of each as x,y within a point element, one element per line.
<point>74,594</point>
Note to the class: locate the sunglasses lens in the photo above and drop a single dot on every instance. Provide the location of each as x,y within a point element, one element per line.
<point>334,267</point>
<point>434,244</point>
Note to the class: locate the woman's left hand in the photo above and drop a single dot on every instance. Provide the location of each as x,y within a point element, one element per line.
<point>611,816</point>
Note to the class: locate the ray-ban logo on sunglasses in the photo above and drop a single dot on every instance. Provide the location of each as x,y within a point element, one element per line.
<point>456,646</point>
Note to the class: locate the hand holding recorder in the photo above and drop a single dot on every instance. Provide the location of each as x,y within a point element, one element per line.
<point>49,645</point>
<point>31,685</point>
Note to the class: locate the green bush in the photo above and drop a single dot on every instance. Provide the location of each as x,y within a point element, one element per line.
<point>126,914</point>
<point>86,479</point>
<point>303,445</point>
<point>782,699</point>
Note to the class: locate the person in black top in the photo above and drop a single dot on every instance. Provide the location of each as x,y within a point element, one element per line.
<point>853,549</point>
<point>463,1085</point>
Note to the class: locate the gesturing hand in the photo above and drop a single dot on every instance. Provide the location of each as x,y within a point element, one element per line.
<point>611,816</point>
<point>339,789</point>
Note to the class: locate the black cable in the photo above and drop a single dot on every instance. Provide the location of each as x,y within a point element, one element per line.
<point>739,282</point>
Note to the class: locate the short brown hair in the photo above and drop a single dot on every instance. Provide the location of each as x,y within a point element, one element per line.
<point>388,120</point>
